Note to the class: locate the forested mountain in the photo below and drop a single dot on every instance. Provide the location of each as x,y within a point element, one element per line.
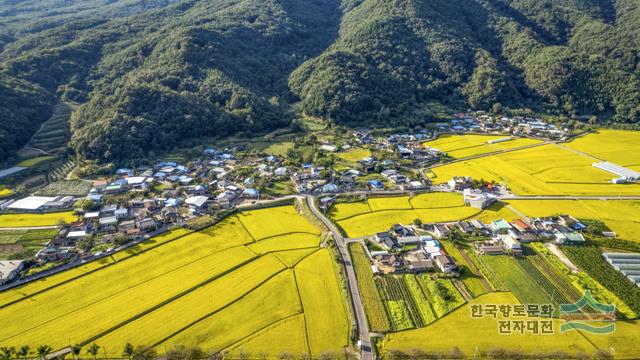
<point>149,74</point>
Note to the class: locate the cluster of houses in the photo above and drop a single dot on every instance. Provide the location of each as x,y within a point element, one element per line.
<point>507,237</point>
<point>405,250</point>
<point>423,252</point>
<point>480,122</point>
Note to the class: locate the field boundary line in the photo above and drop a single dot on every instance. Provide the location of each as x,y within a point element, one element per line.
<point>245,228</point>
<point>189,232</point>
<point>304,315</point>
<point>204,317</point>
<point>122,291</point>
<point>85,273</point>
<point>285,234</point>
<point>174,298</point>
<point>265,328</point>
<point>406,209</point>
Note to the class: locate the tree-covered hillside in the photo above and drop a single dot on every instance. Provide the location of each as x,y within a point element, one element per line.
<point>151,73</point>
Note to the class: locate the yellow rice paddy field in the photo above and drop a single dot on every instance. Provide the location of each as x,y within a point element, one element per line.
<point>379,213</point>
<point>620,215</point>
<point>461,146</point>
<point>481,335</point>
<point>27,220</point>
<point>354,155</point>
<point>618,146</point>
<point>541,170</point>
<point>218,289</point>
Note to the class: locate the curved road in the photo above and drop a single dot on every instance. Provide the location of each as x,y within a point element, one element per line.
<point>356,301</point>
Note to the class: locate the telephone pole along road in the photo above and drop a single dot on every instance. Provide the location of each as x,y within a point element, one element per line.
<point>352,283</point>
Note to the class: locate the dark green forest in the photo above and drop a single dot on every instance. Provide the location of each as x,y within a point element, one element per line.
<point>149,74</point>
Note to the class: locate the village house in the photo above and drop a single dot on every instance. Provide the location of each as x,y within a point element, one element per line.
<point>445,263</point>
<point>9,269</point>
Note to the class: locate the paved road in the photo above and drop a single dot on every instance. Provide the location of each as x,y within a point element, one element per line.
<point>567,197</point>
<point>356,301</point>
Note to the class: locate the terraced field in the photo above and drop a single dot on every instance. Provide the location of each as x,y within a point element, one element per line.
<point>461,146</point>
<point>218,289</point>
<point>55,132</point>
<point>379,213</point>
<point>542,170</point>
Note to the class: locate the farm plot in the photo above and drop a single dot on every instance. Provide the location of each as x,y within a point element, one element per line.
<point>5,192</point>
<point>35,161</point>
<point>618,215</point>
<point>617,146</point>
<point>21,244</point>
<point>590,260</point>
<point>66,187</point>
<point>460,146</point>
<point>281,220</point>
<point>471,280</point>
<point>516,278</point>
<point>441,294</point>
<point>35,220</point>
<point>205,289</point>
<point>403,311</point>
<point>436,200</point>
<point>342,211</point>
<point>34,287</point>
<point>542,170</point>
<point>390,203</point>
<point>354,155</point>
<point>376,315</point>
<point>480,335</point>
<point>370,223</point>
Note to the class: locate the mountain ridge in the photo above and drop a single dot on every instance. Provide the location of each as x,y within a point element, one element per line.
<point>150,73</point>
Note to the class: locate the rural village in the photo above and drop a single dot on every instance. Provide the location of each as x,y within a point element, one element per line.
<point>401,260</point>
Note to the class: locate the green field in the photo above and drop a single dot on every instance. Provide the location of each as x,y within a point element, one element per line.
<point>373,306</point>
<point>279,149</point>
<point>213,290</point>
<point>66,187</point>
<point>28,220</point>
<point>35,161</point>
<point>23,244</point>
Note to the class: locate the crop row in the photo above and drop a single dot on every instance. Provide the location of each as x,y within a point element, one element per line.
<point>589,259</point>
<point>373,306</point>
<point>428,316</point>
<point>393,288</point>
<point>488,273</point>
<point>559,280</point>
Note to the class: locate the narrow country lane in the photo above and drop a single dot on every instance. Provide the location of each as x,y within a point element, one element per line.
<point>356,301</point>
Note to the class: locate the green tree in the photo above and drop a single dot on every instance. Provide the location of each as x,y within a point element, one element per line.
<point>75,351</point>
<point>43,351</point>
<point>128,351</point>
<point>93,350</point>
<point>23,352</point>
<point>142,352</point>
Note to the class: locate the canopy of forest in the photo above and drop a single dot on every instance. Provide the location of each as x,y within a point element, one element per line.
<point>148,74</point>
